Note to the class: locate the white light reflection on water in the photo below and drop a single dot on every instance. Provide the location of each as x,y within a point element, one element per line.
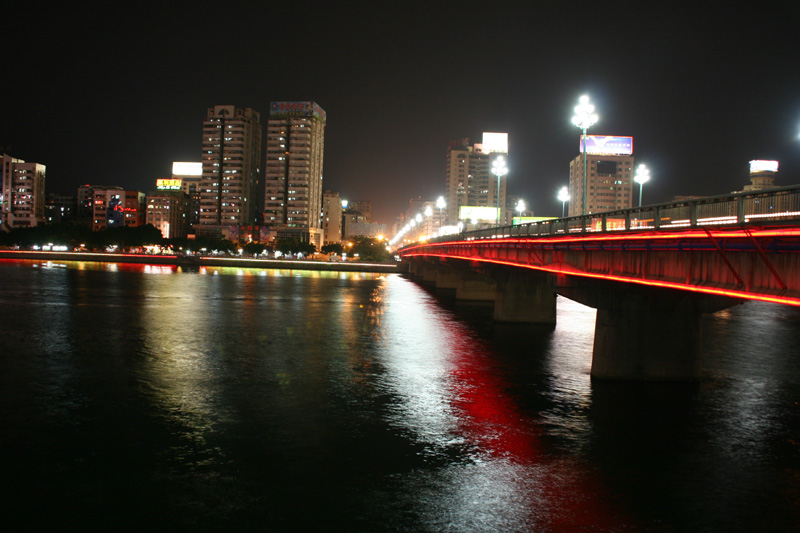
<point>488,470</point>
<point>178,370</point>
<point>569,367</point>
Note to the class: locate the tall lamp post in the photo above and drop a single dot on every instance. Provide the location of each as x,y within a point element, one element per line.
<point>441,204</point>
<point>521,207</point>
<point>584,118</point>
<point>499,169</point>
<point>428,213</point>
<point>563,197</point>
<point>642,176</point>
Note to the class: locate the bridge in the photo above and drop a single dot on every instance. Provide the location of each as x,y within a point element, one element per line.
<point>651,272</point>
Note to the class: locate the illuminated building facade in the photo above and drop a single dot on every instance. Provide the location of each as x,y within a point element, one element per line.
<point>609,175</point>
<point>293,172</point>
<point>115,207</point>
<point>762,175</point>
<point>168,212</point>
<point>22,195</point>
<point>230,161</point>
<point>332,217</point>
<point>469,180</point>
<point>190,175</point>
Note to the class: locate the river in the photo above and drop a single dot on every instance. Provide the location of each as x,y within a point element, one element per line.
<point>139,396</point>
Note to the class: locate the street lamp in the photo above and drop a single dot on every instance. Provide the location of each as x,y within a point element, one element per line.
<point>584,118</point>
<point>441,204</point>
<point>428,213</point>
<point>642,176</point>
<point>499,169</point>
<point>521,206</point>
<point>563,197</point>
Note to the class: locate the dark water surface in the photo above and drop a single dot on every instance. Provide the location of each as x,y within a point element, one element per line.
<point>138,397</point>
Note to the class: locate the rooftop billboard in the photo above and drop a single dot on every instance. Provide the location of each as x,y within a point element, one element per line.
<point>495,142</point>
<point>296,109</point>
<point>607,145</point>
<point>759,165</point>
<point>183,168</point>
<point>173,184</point>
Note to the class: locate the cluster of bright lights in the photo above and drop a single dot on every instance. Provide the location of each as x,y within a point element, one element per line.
<point>416,222</point>
<point>585,116</point>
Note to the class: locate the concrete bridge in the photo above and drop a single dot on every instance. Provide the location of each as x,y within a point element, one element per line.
<point>650,272</point>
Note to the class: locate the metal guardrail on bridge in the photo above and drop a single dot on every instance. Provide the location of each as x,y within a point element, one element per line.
<point>763,207</point>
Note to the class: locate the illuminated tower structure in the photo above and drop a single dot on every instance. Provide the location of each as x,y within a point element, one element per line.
<point>22,194</point>
<point>762,175</point>
<point>231,166</point>
<point>332,217</point>
<point>469,181</point>
<point>609,176</point>
<point>293,172</point>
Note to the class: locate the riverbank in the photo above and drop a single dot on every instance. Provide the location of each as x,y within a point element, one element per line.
<point>201,261</point>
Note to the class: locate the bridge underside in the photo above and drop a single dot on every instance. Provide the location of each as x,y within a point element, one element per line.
<point>650,291</point>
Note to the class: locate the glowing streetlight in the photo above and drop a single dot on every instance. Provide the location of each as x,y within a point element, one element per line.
<point>499,169</point>
<point>521,206</point>
<point>584,118</point>
<point>428,213</point>
<point>441,204</point>
<point>642,176</point>
<point>563,197</point>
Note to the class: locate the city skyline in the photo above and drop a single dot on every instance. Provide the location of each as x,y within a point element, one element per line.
<point>702,92</point>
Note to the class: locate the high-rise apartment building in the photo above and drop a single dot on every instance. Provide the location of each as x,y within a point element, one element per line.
<point>168,211</point>
<point>230,158</point>
<point>609,175</point>
<point>293,172</point>
<point>22,195</point>
<point>332,217</point>
<point>469,180</point>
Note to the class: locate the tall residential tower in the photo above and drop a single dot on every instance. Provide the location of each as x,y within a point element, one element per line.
<point>22,193</point>
<point>609,175</point>
<point>293,172</point>
<point>231,157</point>
<point>469,181</point>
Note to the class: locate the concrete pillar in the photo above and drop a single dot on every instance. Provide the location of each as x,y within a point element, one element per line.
<point>647,343</point>
<point>646,333</point>
<point>415,267</point>
<point>447,277</point>
<point>429,271</point>
<point>525,296</point>
<point>475,287</point>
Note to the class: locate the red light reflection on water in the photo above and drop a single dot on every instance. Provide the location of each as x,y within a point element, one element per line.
<point>490,420</point>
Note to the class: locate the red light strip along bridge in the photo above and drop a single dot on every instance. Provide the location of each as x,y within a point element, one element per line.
<point>650,272</point>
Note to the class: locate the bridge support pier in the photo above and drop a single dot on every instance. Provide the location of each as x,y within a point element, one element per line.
<point>645,333</point>
<point>647,344</point>
<point>447,277</point>
<point>475,287</point>
<point>525,296</point>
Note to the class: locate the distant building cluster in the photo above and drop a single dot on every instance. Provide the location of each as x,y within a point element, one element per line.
<point>218,195</point>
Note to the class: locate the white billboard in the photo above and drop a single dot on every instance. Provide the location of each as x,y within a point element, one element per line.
<point>476,213</point>
<point>759,165</point>
<point>495,142</point>
<point>183,168</point>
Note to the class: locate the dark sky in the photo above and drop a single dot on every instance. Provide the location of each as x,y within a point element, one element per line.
<point>113,96</point>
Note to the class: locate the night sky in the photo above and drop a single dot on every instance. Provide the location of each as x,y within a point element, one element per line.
<point>113,96</point>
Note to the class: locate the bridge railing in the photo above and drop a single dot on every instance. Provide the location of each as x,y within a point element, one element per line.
<point>756,207</point>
